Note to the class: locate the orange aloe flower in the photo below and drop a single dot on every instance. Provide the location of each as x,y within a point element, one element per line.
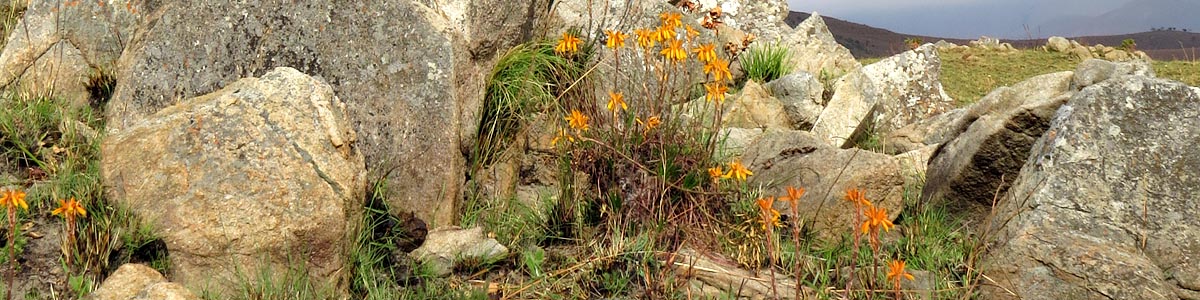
<point>69,209</point>
<point>615,101</point>
<point>738,171</point>
<point>645,38</point>
<point>562,135</point>
<point>857,197</point>
<point>876,218</point>
<point>616,39</point>
<point>569,44</point>
<point>706,53</point>
<point>691,32</point>
<point>896,271</point>
<point>715,90</point>
<point>14,199</point>
<point>650,123</point>
<point>664,34</point>
<point>793,197</point>
<point>674,51</point>
<point>770,216</point>
<point>716,173</point>
<point>577,120</point>
<point>719,69</point>
<point>671,20</point>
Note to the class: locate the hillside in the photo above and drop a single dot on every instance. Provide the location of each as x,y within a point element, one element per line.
<point>866,41</point>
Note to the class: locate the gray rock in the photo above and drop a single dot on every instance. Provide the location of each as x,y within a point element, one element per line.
<point>800,94</point>
<point>734,141</point>
<point>166,291</point>
<point>909,87</point>
<point>126,282</point>
<point>54,48</point>
<point>413,95</point>
<point>978,164</point>
<point>932,131</point>
<point>755,108</point>
<point>1104,206</point>
<point>814,49</point>
<point>849,112</point>
<point>1093,71</point>
<point>1058,44</point>
<point>446,247</point>
<point>248,178</point>
<point>797,158</point>
<point>885,96</point>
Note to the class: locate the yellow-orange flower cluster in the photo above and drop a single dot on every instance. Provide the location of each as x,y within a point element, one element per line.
<point>569,44</point>
<point>13,199</point>
<point>576,120</point>
<point>616,39</point>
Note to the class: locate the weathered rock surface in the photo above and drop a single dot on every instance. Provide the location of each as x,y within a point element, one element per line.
<point>254,176</point>
<point>1058,44</point>
<point>980,162</point>
<point>799,159</point>
<point>885,96</point>
<point>800,94</point>
<point>719,277</point>
<point>815,51</point>
<point>138,281</point>
<point>446,247</point>
<point>54,48</point>
<point>412,94</point>
<point>1093,71</point>
<point>754,107</point>
<point>932,131</point>
<point>1104,206</point>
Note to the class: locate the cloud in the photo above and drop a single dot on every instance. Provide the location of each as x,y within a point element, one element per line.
<point>957,18</point>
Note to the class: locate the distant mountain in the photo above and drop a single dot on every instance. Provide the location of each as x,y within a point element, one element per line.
<point>866,41</point>
<point>1140,14</point>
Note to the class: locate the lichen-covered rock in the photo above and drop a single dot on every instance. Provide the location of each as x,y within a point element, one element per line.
<point>260,175</point>
<point>127,281</point>
<point>446,247</point>
<point>138,281</point>
<point>885,96</point>
<point>815,51</point>
<point>412,94</point>
<point>782,158</point>
<point>756,108</point>
<point>1104,207</point>
<point>1093,71</point>
<point>800,93</point>
<point>55,48</point>
<point>980,162</point>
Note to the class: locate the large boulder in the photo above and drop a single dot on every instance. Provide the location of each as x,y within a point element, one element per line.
<point>261,175</point>
<point>138,281</point>
<point>1104,207</point>
<point>1058,44</point>
<point>412,93</point>
<point>885,96</point>
<point>756,108</point>
<point>57,49</point>
<point>815,51</point>
<point>801,95</point>
<point>980,162</point>
<point>782,158</point>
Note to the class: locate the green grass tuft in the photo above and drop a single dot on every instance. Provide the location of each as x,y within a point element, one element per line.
<point>764,63</point>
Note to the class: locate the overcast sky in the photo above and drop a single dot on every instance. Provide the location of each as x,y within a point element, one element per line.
<point>962,18</point>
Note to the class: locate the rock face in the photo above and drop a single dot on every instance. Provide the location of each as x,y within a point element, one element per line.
<point>412,95</point>
<point>756,108</point>
<point>800,94</point>
<point>1104,207</point>
<point>1093,71</point>
<point>886,95</point>
<point>53,48</point>
<point>967,170</point>
<point>797,158</point>
<point>815,51</point>
<point>137,281</point>
<point>445,248</point>
<point>251,177</point>
<point>1058,44</point>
